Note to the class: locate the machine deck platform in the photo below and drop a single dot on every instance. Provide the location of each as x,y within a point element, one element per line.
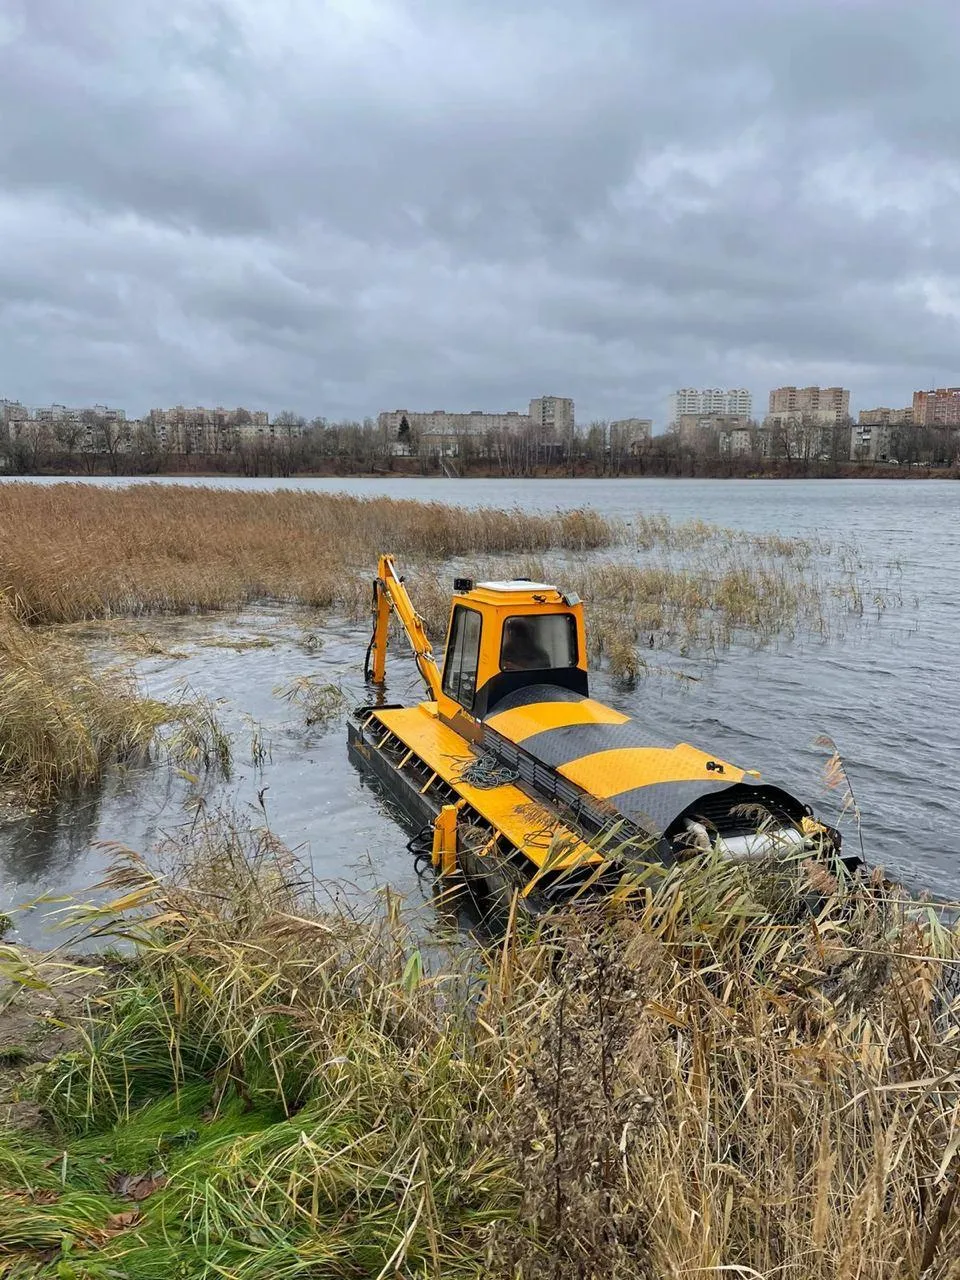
<point>419,760</point>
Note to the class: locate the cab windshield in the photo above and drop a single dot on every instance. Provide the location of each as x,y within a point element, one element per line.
<point>539,641</point>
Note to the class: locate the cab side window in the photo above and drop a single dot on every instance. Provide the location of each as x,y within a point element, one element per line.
<point>463,657</point>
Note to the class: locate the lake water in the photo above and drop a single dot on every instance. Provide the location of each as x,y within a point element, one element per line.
<point>886,691</point>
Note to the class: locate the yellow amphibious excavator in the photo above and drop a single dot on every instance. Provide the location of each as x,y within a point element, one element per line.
<point>521,783</point>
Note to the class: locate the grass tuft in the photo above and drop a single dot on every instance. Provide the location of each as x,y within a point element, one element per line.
<point>61,725</point>
<point>320,701</point>
<point>699,1079</point>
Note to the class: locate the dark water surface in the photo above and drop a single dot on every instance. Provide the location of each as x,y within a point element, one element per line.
<point>885,689</point>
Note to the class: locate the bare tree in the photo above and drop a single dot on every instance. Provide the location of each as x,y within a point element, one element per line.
<point>30,446</point>
<point>67,433</point>
<point>105,437</point>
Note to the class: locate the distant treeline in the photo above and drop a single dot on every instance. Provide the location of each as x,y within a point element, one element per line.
<point>294,447</point>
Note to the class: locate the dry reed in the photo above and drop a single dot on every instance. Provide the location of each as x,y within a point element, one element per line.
<point>70,551</point>
<point>61,724</point>
<point>688,535</point>
<point>633,607</point>
<point>700,1082</point>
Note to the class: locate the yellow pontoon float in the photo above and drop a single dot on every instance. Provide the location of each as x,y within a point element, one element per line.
<point>520,782</point>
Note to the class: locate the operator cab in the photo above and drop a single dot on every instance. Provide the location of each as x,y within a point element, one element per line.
<point>504,636</point>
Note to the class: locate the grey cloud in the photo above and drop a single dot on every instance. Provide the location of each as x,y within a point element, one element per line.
<point>350,205</point>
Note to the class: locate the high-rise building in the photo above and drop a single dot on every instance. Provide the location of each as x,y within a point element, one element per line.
<point>939,408</point>
<point>828,402</point>
<point>685,401</point>
<point>12,416</point>
<point>554,417</point>
<point>737,403</point>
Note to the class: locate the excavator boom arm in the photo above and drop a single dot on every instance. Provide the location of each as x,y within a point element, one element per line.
<point>389,592</point>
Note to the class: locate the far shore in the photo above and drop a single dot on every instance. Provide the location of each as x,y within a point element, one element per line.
<point>401,473</point>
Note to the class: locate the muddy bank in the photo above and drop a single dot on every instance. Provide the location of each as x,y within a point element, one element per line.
<point>39,1022</point>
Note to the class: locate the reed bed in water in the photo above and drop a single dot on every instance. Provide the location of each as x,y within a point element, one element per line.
<point>69,552</point>
<point>61,723</point>
<point>705,1083</point>
<point>72,551</point>
<point>633,607</point>
<point>660,531</point>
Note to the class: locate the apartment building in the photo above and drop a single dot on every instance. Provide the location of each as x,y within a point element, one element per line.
<point>629,435</point>
<point>871,434</point>
<point>742,442</point>
<point>439,424</point>
<point>886,417</point>
<point>870,441</point>
<point>554,416</point>
<point>50,414</point>
<point>939,408</point>
<point>724,434</point>
<point>690,400</point>
<point>12,415</point>
<point>199,430</point>
<point>439,429</point>
<point>694,428</point>
<point>832,403</point>
<point>17,420</point>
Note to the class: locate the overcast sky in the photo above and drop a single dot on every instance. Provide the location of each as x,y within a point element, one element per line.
<point>340,206</point>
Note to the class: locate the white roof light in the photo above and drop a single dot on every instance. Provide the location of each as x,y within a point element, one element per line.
<point>517,584</point>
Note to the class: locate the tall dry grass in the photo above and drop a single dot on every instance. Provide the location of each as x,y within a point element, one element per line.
<point>698,1084</point>
<point>632,607</point>
<point>649,531</point>
<point>72,551</point>
<point>716,1090</point>
<point>61,723</point>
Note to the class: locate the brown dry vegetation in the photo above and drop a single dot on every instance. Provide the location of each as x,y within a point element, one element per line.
<point>61,723</point>
<point>72,551</point>
<point>703,1083</point>
<point>699,1082</point>
<point>633,607</point>
<point>660,531</point>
